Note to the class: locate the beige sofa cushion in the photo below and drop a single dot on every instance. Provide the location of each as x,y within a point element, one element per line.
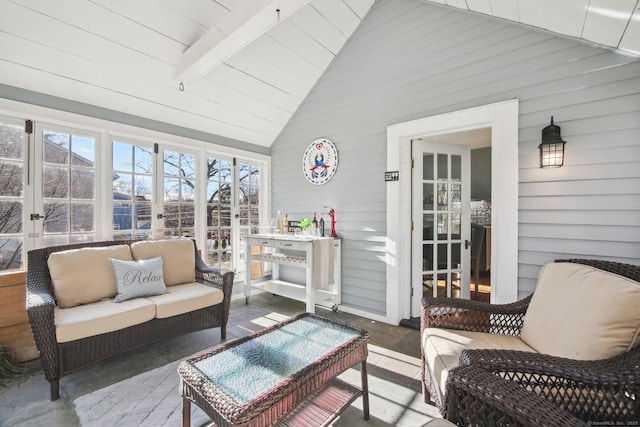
<point>100,317</point>
<point>178,256</point>
<point>442,349</point>
<point>184,298</point>
<point>582,313</point>
<point>82,276</point>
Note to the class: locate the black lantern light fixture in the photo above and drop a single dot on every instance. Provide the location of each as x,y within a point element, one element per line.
<point>552,147</point>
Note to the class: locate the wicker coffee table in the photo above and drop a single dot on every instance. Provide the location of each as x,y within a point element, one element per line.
<point>283,375</point>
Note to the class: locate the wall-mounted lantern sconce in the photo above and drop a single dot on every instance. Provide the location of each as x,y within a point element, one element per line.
<point>552,147</point>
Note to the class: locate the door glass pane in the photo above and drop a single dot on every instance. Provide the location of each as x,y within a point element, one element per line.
<point>443,166</point>
<point>456,197</point>
<point>68,187</point>
<point>248,200</point>
<point>83,151</point>
<point>55,182</point>
<point>82,184</point>
<point>427,167</point>
<point>143,157</point>
<point>456,168</point>
<point>427,257</point>
<point>456,253</point>
<point>56,147</point>
<point>443,256</point>
<point>57,217</point>
<point>442,197</point>
<point>82,217</point>
<point>443,226</point>
<point>179,194</point>
<point>441,289</point>
<point>456,225</point>
<point>219,194</point>
<point>428,284</point>
<point>132,187</point>
<point>427,227</point>
<point>427,196</point>
<point>11,194</point>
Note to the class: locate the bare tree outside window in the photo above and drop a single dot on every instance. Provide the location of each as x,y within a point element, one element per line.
<point>132,191</point>
<point>11,193</point>
<point>68,187</point>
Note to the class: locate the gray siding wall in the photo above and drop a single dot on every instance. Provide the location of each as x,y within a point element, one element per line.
<point>411,60</point>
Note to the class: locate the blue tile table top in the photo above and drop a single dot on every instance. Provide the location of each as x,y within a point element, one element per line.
<point>248,370</point>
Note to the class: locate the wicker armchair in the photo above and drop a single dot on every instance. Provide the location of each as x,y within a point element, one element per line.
<point>525,387</point>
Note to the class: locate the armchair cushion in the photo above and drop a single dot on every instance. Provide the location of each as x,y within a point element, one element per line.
<point>442,349</point>
<point>178,257</point>
<point>83,276</point>
<point>582,313</point>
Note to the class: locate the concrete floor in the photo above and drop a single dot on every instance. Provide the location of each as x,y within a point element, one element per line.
<point>148,378</point>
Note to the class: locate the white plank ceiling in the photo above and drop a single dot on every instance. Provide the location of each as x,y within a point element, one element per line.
<point>131,56</point>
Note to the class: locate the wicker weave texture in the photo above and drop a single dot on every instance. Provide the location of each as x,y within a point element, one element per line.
<point>505,387</point>
<point>273,405</point>
<point>60,359</point>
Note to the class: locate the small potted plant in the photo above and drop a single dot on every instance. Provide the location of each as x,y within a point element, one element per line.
<point>305,225</point>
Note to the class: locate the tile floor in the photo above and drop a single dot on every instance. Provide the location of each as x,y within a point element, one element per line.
<point>393,369</point>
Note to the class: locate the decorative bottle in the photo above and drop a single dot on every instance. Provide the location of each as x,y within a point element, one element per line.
<point>279,224</point>
<point>314,222</point>
<point>285,228</point>
<point>321,225</point>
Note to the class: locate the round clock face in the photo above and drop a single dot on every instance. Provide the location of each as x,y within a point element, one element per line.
<point>320,161</point>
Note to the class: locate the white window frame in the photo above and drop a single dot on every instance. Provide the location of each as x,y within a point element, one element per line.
<point>19,112</point>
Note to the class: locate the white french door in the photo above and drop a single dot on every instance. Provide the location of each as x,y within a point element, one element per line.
<point>441,221</point>
<point>234,207</point>
<point>63,186</point>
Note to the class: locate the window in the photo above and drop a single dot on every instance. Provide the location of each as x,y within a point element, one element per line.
<point>68,186</point>
<point>219,212</point>
<point>55,190</point>
<point>132,191</point>
<point>12,165</point>
<point>179,173</point>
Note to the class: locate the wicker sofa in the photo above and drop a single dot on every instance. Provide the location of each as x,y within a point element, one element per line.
<point>567,355</point>
<point>82,308</point>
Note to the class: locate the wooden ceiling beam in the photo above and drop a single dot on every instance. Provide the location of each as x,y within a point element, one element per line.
<point>248,21</point>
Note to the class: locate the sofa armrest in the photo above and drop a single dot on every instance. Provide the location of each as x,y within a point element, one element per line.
<point>477,397</point>
<point>40,304</point>
<point>593,390</point>
<point>216,277</point>
<point>455,313</point>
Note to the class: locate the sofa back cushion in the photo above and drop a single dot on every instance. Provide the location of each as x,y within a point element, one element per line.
<point>82,276</point>
<point>178,258</point>
<point>582,313</point>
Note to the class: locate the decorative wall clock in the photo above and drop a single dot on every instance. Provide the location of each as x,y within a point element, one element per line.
<point>320,161</point>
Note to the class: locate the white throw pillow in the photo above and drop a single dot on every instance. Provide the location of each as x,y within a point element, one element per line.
<point>139,278</point>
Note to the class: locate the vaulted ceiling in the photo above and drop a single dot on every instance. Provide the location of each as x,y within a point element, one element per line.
<point>234,68</point>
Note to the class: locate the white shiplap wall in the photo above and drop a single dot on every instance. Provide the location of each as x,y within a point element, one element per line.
<point>410,60</point>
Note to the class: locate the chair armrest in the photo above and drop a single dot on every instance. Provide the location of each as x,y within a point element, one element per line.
<point>474,396</point>
<point>598,390</point>
<point>476,316</point>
